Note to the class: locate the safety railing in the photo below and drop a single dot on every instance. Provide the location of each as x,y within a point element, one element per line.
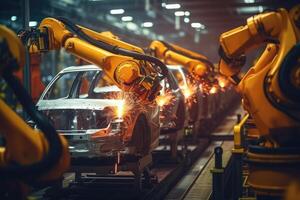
<point>228,180</point>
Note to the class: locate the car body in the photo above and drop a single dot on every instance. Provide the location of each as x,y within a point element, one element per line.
<point>190,90</point>
<point>173,107</point>
<point>96,117</point>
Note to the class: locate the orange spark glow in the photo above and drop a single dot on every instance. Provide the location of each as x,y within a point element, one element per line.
<point>120,109</point>
<point>163,100</point>
<point>124,104</point>
<point>223,82</point>
<point>213,90</point>
<point>188,90</point>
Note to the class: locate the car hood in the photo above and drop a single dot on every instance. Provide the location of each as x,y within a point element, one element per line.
<point>90,104</point>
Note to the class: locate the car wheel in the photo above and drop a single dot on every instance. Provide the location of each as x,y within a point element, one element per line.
<point>141,136</point>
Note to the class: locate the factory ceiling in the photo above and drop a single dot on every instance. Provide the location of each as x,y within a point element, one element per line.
<point>195,24</point>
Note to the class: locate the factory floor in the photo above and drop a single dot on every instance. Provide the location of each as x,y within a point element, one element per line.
<point>202,187</point>
<point>197,183</point>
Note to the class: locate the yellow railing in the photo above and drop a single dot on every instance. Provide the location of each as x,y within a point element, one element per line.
<point>238,132</point>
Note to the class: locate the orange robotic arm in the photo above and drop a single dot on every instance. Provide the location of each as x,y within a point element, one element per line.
<point>28,155</point>
<point>263,28</point>
<point>270,89</point>
<point>126,65</point>
<point>197,64</point>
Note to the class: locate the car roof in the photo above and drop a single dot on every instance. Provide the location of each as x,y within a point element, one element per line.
<point>81,68</point>
<point>95,67</point>
<point>174,66</point>
<point>178,68</point>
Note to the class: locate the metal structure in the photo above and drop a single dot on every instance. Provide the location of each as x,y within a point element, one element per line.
<point>216,16</point>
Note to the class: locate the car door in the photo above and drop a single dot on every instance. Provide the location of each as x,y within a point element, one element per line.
<point>170,88</point>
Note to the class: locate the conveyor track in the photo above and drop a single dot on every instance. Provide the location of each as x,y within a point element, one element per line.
<point>170,179</point>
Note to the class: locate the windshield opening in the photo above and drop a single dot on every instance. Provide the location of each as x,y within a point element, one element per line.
<point>93,84</point>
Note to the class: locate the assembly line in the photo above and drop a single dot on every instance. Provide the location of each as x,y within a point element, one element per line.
<point>131,122</point>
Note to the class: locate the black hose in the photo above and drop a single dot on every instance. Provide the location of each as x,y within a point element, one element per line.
<point>289,64</point>
<point>236,62</point>
<point>276,104</point>
<point>114,49</point>
<point>29,173</point>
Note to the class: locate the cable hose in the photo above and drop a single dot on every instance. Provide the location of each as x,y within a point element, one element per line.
<point>114,49</point>
<point>30,172</point>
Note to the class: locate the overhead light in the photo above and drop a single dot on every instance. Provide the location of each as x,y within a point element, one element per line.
<point>181,33</point>
<point>147,24</point>
<point>186,20</point>
<point>187,13</point>
<point>249,1</point>
<point>146,31</point>
<point>32,23</point>
<point>197,25</point>
<point>127,18</point>
<point>250,10</point>
<point>132,26</point>
<point>117,11</point>
<point>179,13</point>
<point>172,6</point>
<point>13,18</point>
<point>160,37</point>
<point>163,5</point>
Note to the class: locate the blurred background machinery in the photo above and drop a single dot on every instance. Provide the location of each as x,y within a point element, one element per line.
<point>266,142</point>
<point>191,24</point>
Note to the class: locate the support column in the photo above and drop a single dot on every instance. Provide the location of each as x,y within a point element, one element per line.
<point>25,24</point>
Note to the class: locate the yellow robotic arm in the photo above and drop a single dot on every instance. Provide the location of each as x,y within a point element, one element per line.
<point>126,65</point>
<point>197,64</point>
<point>270,89</point>
<point>28,155</point>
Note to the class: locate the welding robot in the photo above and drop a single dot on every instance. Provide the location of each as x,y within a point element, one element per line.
<point>29,157</point>
<point>203,74</point>
<point>126,65</point>
<point>270,90</point>
<point>198,65</point>
<point>32,156</point>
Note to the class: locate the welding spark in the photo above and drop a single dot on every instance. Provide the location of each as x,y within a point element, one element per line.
<point>128,105</point>
<point>120,109</point>
<point>189,90</point>
<point>164,100</point>
<point>222,81</point>
<point>222,84</point>
<point>213,90</point>
<point>186,92</point>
